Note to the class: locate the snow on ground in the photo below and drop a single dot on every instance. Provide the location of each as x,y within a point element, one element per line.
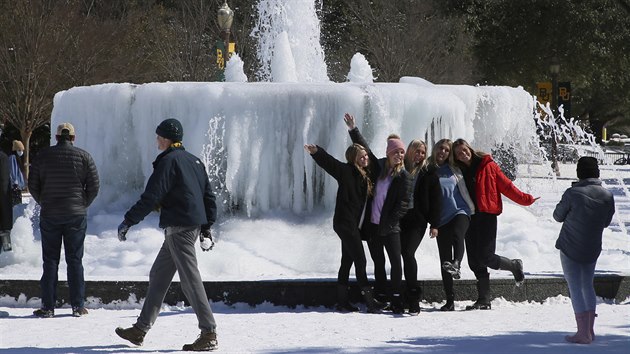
<point>257,250</point>
<point>526,327</point>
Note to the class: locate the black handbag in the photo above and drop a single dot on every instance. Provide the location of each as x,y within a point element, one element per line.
<point>16,195</point>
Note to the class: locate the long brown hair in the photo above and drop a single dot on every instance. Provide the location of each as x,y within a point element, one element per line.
<point>431,161</point>
<point>351,156</point>
<point>410,166</point>
<point>461,142</point>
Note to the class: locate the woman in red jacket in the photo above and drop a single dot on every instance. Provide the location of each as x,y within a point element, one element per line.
<point>486,182</point>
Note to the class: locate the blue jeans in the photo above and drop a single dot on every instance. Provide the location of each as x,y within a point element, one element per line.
<point>71,231</point>
<point>579,277</point>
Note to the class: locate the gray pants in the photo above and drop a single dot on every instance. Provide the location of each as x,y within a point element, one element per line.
<point>177,254</point>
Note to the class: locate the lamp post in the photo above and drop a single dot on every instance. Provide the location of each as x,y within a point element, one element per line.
<point>554,69</point>
<point>225,16</point>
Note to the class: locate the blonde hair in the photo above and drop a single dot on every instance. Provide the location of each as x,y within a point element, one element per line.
<point>352,152</point>
<point>431,161</point>
<point>461,142</point>
<point>410,166</point>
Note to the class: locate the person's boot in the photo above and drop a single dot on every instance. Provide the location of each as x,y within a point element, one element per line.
<point>343,304</point>
<point>6,240</point>
<point>450,303</point>
<point>413,300</point>
<point>207,341</point>
<point>515,266</point>
<point>591,321</point>
<point>583,335</point>
<point>372,305</point>
<point>453,268</point>
<point>483,299</point>
<point>397,304</point>
<point>133,334</point>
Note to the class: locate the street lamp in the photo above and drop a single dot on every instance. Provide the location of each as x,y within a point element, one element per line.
<point>225,16</point>
<point>554,69</point>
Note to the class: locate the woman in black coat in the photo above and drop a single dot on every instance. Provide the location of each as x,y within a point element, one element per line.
<point>385,208</point>
<point>355,187</point>
<point>425,206</point>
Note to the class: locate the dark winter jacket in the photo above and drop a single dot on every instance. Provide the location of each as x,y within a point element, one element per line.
<point>586,209</point>
<point>397,200</point>
<point>489,183</point>
<point>180,188</point>
<point>63,179</point>
<point>6,205</point>
<point>351,193</point>
<point>427,201</point>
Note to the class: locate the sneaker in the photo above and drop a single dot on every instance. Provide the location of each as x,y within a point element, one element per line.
<point>452,268</point>
<point>207,341</point>
<point>43,313</point>
<point>133,334</point>
<point>479,306</point>
<point>79,311</point>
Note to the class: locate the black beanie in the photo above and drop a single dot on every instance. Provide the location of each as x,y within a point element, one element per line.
<point>587,168</point>
<point>170,129</point>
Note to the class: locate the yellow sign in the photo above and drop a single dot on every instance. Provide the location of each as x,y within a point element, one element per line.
<point>543,92</point>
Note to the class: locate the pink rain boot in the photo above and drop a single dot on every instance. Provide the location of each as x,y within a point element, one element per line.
<point>592,316</point>
<point>583,335</point>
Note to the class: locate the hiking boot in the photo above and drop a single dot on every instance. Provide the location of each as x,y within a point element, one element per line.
<point>397,304</point>
<point>206,342</point>
<point>43,313</point>
<point>452,268</point>
<point>449,306</point>
<point>372,305</point>
<point>479,305</point>
<point>79,311</point>
<point>413,301</point>
<point>133,334</point>
<point>343,304</point>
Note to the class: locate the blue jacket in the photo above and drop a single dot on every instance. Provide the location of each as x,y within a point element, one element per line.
<point>180,189</point>
<point>586,209</point>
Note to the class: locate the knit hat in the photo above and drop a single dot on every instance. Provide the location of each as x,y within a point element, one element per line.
<point>65,129</point>
<point>170,129</point>
<point>587,168</point>
<point>394,144</point>
<point>17,145</point>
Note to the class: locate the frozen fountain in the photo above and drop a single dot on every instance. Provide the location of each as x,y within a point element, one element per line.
<point>251,133</point>
<point>277,206</point>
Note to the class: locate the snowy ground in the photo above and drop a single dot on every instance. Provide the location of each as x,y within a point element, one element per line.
<point>507,328</point>
<point>257,250</point>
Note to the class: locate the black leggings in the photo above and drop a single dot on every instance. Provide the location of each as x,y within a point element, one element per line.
<point>352,252</point>
<point>450,242</point>
<point>377,246</point>
<point>481,242</point>
<point>410,237</point>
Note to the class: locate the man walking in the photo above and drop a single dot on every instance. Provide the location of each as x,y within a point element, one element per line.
<point>180,188</point>
<point>63,180</point>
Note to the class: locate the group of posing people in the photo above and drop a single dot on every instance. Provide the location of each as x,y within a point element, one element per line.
<point>390,202</point>
<point>456,193</point>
